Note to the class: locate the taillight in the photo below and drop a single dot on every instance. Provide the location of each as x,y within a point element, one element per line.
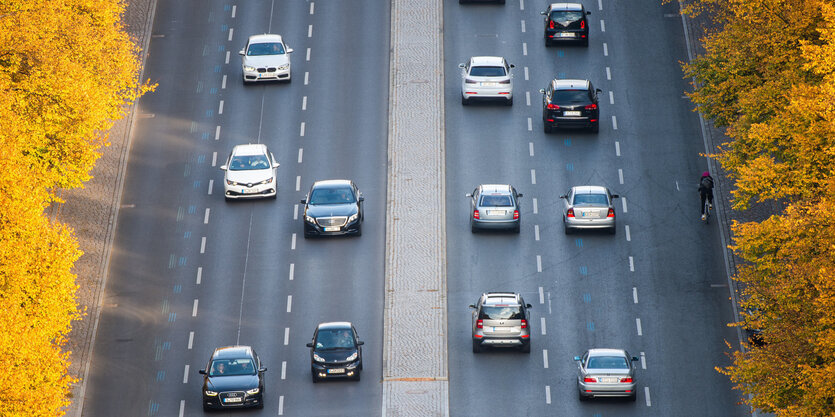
<point>479,324</point>
<point>591,107</point>
<point>469,81</point>
<point>515,214</point>
<point>475,214</point>
<point>589,379</point>
<point>524,324</point>
<point>504,82</point>
<point>626,380</point>
<point>550,24</point>
<point>582,24</point>
<point>553,107</point>
<point>570,213</point>
<point>611,213</point>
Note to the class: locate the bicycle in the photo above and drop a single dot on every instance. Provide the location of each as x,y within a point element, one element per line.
<point>707,210</point>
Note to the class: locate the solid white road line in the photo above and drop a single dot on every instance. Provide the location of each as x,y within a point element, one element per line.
<point>298,182</point>
<point>547,394</point>
<point>230,34</point>
<point>608,73</point>
<point>643,360</point>
<point>234,8</point>
<point>646,394</point>
<point>620,175</point>
<point>623,200</point>
<point>203,244</point>
<point>542,324</point>
<point>289,303</point>
<point>304,103</point>
<point>283,369</point>
<point>301,130</point>
<point>292,271</point>
<point>635,294</point>
<point>301,152</point>
<point>533,177</point>
<point>536,232</point>
<point>217,133</point>
<point>190,340</point>
<point>541,295</point>
<point>182,408</point>
<point>538,263</point>
<point>638,325</point>
<point>211,183</point>
<point>206,216</point>
<point>199,274</point>
<point>185,375</point>
<point>533,203</point>
<point>293,242</point>
<point>545,358</point>
<point>214,158</point>
<point>194,308</point>
<point>631,265</point>
<point>628,236</point>
<point>286,336</point>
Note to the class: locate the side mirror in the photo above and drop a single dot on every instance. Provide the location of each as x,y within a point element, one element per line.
<point>588,12</point>
<point>262,369</point>
<point>635,359</point>
<point>276,165</point>
<point>241,52</point>
<point>563,196</point>
<point>615,196</point>
<point>362,198</point>
<point>360,343</point>
<point>309,344</point>
<point>224,167</point>
<point>528,305</point>
<point>520,195</point>
<point>202,372</point>
<point>303,201</point>
<point>468,195</point>
<point>598,90</point>
<point>472,305</point>
<point>461,65</point>
<point>512,66</point>
<point>542,90</point>
<point>289,50</point>
<point>543,13</point>
<point>577,358</point>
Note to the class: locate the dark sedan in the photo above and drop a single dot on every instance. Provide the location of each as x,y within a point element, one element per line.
<point>333,207</point>
<point>335,351</point>
<point>570,104</point>
<point>233,378</point>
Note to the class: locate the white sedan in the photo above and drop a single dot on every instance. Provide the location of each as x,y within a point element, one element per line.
<point>265,58</point>
<point>250,172</point>
<point>487,77</point>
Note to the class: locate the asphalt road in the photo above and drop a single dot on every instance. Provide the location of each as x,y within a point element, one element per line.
<point>657,288</point>
<point>191,272</point>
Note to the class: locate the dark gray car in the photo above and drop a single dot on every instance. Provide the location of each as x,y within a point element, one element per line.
<point>494,206</point>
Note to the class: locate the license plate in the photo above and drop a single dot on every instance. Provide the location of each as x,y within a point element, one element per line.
<point>332,229</point>
<point>500,329</point>
<point>571,113</point>
<point>608,379</point>
<point>496,212</point>
<point>246,191</point>
<point>489,84</point>
<point>336,371</point>
<point>567,34</point>
<point>233,400</point>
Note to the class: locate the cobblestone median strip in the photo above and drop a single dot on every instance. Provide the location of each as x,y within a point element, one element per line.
<point>414,345</point>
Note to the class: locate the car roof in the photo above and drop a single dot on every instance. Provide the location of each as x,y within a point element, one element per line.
<point>567,6</point>
<point>250,149</point>
<point>266,37</point>
<point>493,298</point>
<point>331,183</point>
<point>486,60</point>
<point>589,189</point>
<point>570,84</point>
<point>606,352</point>
<point>495,188</point>
<point>231,352</point>
<point>335,325</point>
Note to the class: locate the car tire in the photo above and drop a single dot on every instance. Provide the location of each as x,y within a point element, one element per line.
<point>526,348</point>
<point>314,377</point>
<point>595,128</point>
<point>474,229</point>
<point>206,408</point>
<point>568,230</point>
<point>633,397</point>
<point>547,129</point>
<point>464,101</point>
<point>517,229</point>
<point>357,376</point>
<point>547,42</point>
<point>501,1</point>
<point>359,230</point>
<point>586,42</point>
<point>476,346</point>
<point>509,102</point>
<point>613,230</point>
<point>260,405</point>
<point>582,397</point>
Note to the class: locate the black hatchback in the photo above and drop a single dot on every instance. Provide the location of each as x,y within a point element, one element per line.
<point>570,104</point>
<point>335,352</point>
<point>566,22</point>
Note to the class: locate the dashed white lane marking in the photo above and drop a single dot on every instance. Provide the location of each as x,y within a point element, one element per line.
<point>631,264</point>
<point>541,295</point>
<point>283,369</point>
<point>301,153</point>
<point>223,82</point>
<point>611,98</point>
<point>211,183</point>
<point>228,55</point>
<point>536,232</point>
<point>523,26</point>
<point>194,308</point>
<point>545,358</point>
<point>298,182</point>
<point>214,158</point>
<point>620,175</point>
<point>526,73</point>
<point>185,375</point>
<point>307,57</point>
<point>199,274</point>
<point>527,98</point>
<point>206,216</point>
<point>533,176</point>
<point>617,148</point>
<point>542,324</point>
<point>646,394</point>
<point>525,48</point>
<point>533,203</point>
<point>310,31</point>
<point>643,360</point>
<point>521,4</point>
<point>234,8</point>
<point>293,242</point>
<point>301,130</point>
<point>281,398</point>
<point>628,237</point>
<point>295,212</point>
<point>599,4</point>
<point>602,25</point>
<point>635,295</point>
<point>530,124</point>
<point>605,49</point>
<point>190,340</point>
<point>182,408</point>
<point>538,263</point>
<point>311,7</point>
<point>292,271</point>
<point>287,329</point>
<point>638,325</point>
<point>203,244</point>
<point>547,394</point>
<point>530,148</point>
<point>231,30</point>
<point>623,200</point>
<point>289,303</point>
<point>677,186</point>
<point>217,132</point>
<point>306,74</point>
<point>608,73</point>
<point>614,123</point>
<point>304,103</point>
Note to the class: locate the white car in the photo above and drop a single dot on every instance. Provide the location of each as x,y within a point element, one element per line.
<point>250,172</point>
<point>487,77</point>
<point>265,58</point>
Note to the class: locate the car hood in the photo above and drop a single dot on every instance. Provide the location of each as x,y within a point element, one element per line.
<point>249,176</point>
<point>266,60</point>
<point>336,355</point>
<point>231,383</point>
<point>330,210</point>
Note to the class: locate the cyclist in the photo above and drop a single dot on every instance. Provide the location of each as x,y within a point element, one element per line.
<point>706,192</point>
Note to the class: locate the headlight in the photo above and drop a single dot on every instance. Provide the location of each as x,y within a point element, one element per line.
<point>309,219</point>
<point>267,181</point>
<point>284,67</point>
<point>352,357</point>
<point>210,393</point>
<point>353,217</point>
<point>253,391</point>
<point>317,358</point>
<point>247,68</point>
<point>230,182</point>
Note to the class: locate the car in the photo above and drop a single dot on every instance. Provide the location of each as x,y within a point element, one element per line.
<point>588,207</point>
<point>233,378</point>
<point>333,207</point>
<point>566,22</point>
<point>494,206</point>
<point>570,104</point>
<point>606,373</point>
<point>486,78</point>
<point>265,58</point>
<point>501,319</point>
<point>335,351</point>
<point>250,172</point>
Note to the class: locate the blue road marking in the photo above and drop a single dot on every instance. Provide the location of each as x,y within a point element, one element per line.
<point>186,235</point>
<point>227,8</point>
<point>178,289</point>
<point>204,136</point>
<point>224,28</point>
<point>172,317</point>
<point>584,270</point>
<point>579,242</point>
<point>210,113</point>
<point>567,142</point>
<point>587,297</point>
<point>569,167</point>
<point>213,90</point>
<point>171,261</point>
<point>590,326</point>
<point>182,261</point>
<point>160,375</point>
<point>560,54</point>
<point>221,48</point>
<point>561,75</point>
<point>197,184</point>
<point>191,209</point>
<point>201,158</point>
<point>153,407</point>
<point>217,68</point>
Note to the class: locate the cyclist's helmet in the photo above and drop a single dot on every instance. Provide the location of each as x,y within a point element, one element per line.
<point>705,174</point>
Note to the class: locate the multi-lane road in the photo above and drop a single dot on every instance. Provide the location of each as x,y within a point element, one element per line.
<point>191,272</point>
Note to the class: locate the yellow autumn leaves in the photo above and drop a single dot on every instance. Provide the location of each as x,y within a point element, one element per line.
<point>768,76</point>
<point>67,70</point>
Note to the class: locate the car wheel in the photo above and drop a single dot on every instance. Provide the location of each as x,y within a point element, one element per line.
<point>357,376</point>
<point>613,230</point>
<point>595,128</point>
<point>586,42</point>
<point>473,228</point>
<point>314,377</point>
<point>464,101</point>
<point>633,397</point>
<point>260,405</point>
<point>476,346</point>
<point>547,129</point>
<point>509,102</point>
<point>582,397</point>
<point>526,348</point>
<point>359,230</point>
<point>517,229</point>
<point>501,1</point>
<point>547,42</point>
<point>568,230</point>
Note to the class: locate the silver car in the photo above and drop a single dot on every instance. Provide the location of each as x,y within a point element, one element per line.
<point>487,77</point>
<point>250,172</point>
<point>494,206</point>
<point>605,373</point>
<point>588,207</point>
<point>265,58</point>
<point>500,319</point>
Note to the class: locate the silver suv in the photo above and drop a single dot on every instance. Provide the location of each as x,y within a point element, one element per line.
<point>501,319</point>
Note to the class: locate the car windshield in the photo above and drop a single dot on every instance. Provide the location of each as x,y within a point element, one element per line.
<point>501,313</point>
<point>591,199</point>
<point>487,72</point>
<point>571,96</point>
<point>607,362</point>
<point>232,367</point>
<point>334,339</point>
<point>266,48</point>
<point>248,162</point>
<point>565,18</point>
<point>496,201</point>
<point>342,195</point>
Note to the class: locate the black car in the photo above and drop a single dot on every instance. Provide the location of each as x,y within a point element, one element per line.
<point>570,104</point>
<point>333,207</point>
<point>233,378</point>
<point>335,351</point>
<point>566,22</point>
